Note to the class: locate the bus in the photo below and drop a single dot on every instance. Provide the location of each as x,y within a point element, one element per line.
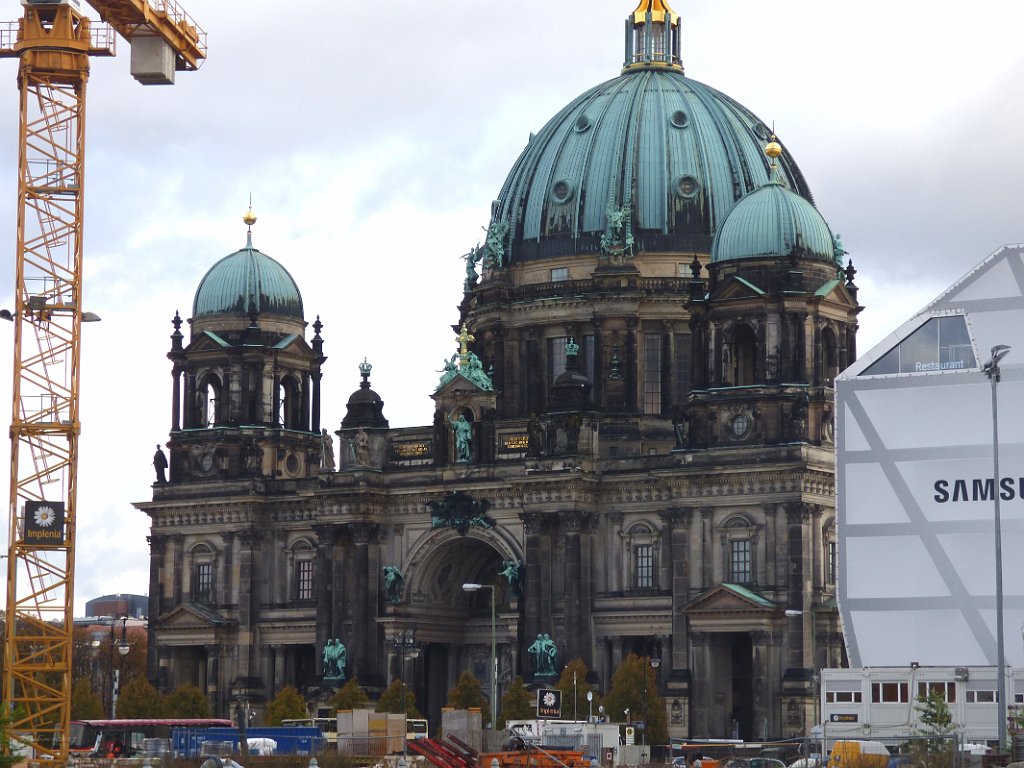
<point>124,738</point>
<point>328,727</point>
<point>416,728</point>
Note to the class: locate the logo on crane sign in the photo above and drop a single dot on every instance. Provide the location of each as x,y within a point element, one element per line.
<point>44,523</point>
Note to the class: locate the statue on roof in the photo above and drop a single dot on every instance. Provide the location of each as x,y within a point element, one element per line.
<point>326,450</point>
<point>617,240</point>
<point>466,364</point>
<point>475,255</point>
<point>494,245</point>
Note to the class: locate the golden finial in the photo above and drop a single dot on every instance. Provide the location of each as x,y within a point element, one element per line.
<point>464,339</point>
<point>250,217</point>
<point>773,148</point>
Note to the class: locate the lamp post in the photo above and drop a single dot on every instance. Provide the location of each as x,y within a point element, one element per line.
<point>494,654</point>
<point>655,662</point>
<point>991,370</point>
<point>122,648</point>
<point>405,645</point>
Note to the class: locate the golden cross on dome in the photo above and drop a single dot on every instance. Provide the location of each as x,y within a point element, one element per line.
<point>464,339</point>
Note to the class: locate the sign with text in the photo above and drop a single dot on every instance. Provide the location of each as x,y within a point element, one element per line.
<point>549,704</point>
<point>843,717</point>
<point>44,523</point>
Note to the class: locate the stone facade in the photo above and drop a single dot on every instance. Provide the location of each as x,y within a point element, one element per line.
<point>632,448</point>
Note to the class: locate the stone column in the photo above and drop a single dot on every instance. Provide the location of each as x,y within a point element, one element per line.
<point>248,599</point>
<point>157,551</point>
<point>364,604</point>
<point>213,688</point>
<point>224,596</point>
<point>676,531</point>
<point>577,582</point>
<point>178,542</point>
<point>176,398</point>
<point>700,723</point>
<point>322,573</point>
<point>533,618</point>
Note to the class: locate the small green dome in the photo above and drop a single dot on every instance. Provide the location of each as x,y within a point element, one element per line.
<point>248,282</point>
<point>773,221</point>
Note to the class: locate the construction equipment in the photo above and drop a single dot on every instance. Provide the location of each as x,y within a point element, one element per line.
<point>53,42</point>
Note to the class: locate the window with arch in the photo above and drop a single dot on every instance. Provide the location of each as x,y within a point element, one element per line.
<point>829,356</point>
<point>743,348</point>
<point>290,400</point>
<point>828,541</point>
<point>303,569</point>
<point>642,556</point>
<point>203,559</point>
<point>739,545</point>
<point>208,405</point>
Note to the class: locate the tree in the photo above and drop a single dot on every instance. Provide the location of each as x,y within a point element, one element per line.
<point>391,700</point>
<point>467,694</point>
<point>288,704</point>
<point>139,699</point>
<point>85,704</point>
<point>936,749</point>
<point>7,759</point>
<point>350,696</point>
<point>517,703</point>
<point>581,707</point>
<point>627,692</point>
<point>187,701</point>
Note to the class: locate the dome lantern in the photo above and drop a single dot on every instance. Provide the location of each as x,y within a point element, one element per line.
<point>652,37</point>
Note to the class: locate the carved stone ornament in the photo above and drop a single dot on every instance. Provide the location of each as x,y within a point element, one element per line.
<point>459,510</point>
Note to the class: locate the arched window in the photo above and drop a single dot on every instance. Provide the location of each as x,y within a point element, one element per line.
<point>642,557</point>
<point>208,406</point>
<point>829,356</point>
<point>744,356</point>
<point>290,398</point>
<point>828,545</point>
<point>202,569</point>
<point>739,549</point>
<point>303,569</point>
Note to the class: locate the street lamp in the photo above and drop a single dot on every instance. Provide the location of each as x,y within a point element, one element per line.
<point>122,648</point>
<point>494,654</point>
<point>991,370</point>
<point>655,662</point>
<point>405,645</point>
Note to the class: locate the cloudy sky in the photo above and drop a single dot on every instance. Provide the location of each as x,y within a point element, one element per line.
<point>373,137</point>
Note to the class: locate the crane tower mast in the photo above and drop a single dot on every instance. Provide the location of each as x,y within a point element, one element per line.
<point>53,42</point>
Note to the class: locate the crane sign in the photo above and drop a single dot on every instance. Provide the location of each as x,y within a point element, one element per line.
<point>53,42</point>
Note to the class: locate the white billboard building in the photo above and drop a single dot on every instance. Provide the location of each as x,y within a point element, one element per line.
<point>914,430</point>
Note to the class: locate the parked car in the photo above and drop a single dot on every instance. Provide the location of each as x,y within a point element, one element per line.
<point>807,762</point>
<point>754,762</point>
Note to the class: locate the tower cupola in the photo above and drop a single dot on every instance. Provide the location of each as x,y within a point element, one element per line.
<point>652,37</point>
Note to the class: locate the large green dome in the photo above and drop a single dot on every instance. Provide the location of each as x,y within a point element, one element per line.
<point>679,153</point>
<point>772,221</point>
<point>248,282</point>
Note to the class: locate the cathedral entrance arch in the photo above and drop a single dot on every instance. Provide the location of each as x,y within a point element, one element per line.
<point>453,626</point>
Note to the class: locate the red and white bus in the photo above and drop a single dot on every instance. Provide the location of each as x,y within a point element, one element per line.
<point>125,738</point>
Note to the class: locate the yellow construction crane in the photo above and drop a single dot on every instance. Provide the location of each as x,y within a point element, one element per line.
<point>53,42</point>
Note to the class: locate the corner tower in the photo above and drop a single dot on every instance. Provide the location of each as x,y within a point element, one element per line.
<point>246,402</point>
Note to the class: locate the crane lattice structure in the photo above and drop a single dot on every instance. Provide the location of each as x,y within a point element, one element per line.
<point>53,42</point>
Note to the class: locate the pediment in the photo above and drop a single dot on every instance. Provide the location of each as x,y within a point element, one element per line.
<point>461,386</point>
<point>736,287</point>
<point>730,598</point>
<point>837,292</point>
<point>189,617</point>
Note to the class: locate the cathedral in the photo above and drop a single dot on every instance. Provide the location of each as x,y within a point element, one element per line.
<point>631,448</point>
